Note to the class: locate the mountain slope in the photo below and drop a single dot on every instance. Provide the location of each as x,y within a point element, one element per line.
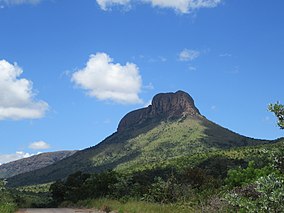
<point>169,128</point>
<point>32,163</point>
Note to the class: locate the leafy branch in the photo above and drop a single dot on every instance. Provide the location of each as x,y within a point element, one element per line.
<point>278,110</point>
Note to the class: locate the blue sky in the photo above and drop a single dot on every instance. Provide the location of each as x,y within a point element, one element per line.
<point>70,70</point>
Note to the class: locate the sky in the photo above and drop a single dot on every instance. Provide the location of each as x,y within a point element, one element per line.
<point>70,69</point>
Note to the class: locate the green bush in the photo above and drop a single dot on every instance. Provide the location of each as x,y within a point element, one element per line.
<point>240,176</point>
<point>7,203</point>
<point>164,191</point>
<point>268,196</point>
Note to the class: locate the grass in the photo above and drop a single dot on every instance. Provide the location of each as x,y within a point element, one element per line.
<point>7,204</point>
<point>165,141</point>
<point>134,206</point>
<point>7,208</point>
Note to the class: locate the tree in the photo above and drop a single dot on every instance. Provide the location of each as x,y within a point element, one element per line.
<point>278,110</point>
<point>58,190</point>
<point>2,185</point>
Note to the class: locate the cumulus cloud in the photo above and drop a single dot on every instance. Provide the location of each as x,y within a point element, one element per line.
<point>16,95</point>
<point>39,145</point>
<point>106,80</point>
<point>188,55</point>
<point>17,2</point>
<point>6,158</point>
<point>182,6</point>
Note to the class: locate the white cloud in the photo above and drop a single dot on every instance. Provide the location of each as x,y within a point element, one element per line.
<point>6,158</point>
<point>106,80</point>
<point>17,2</point>
<point>225,55</point>
<point>150,86</point>
<point>106,4</point>
<point>16,96</point>
<point>182,6</point>
<point>188,55</point>
<point>39,145</point>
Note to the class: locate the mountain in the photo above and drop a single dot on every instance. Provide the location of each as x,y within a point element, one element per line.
<point>170,128</point>
<point>32,163</point>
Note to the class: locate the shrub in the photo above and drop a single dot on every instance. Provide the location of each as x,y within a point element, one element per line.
<point>240,176</point>
<point>164,191</point>
<point>267,195</point>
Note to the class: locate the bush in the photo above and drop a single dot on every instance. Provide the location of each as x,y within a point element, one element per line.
<point>268,196</point>
<point>199,179</point>
<point>240,176</point>
<point>162,191</point>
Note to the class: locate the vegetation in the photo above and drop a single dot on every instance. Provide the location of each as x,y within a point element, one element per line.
<point>278,110</point>
<point>190,165</point>
<point>244,179</point>
<point>7,203</point>
<point>183,141</point>
<point>32,196</point>
<point>239,179</point>
<point>132,206</point>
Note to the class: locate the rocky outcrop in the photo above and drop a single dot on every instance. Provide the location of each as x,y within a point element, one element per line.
<point>164,106</point>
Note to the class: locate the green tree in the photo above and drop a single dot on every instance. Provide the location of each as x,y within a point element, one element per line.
<point>101,184</point>
<point>278,110</point>
<point>58,190</point>
<point>74,189</point>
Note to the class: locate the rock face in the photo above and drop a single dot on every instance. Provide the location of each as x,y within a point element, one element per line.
<point>164,106</point>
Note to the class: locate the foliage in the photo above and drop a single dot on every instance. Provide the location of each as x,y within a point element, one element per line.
<point>80,186</point>
<point>194,181</point>
<point>58,190</point>
<point>277,158</point>
<point>162,191</point>
<point>134,206</point>
<point>39,188</point>
<point>271,188</point>
<point>268,196</point>
<point>198,185</point>
<point>278,110</point>
<point>241,177</point>
<point>218,166</point>
<point>7,204</point>
<point>100,184</point>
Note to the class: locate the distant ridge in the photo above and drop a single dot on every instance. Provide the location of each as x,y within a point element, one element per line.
<point>32,163</point>
<point>170,128</point>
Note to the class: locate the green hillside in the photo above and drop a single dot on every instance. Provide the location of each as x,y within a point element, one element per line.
<point>170,128</point>
<point>146,148</point>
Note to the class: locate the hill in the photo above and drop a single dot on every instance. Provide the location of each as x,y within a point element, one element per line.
<point>32,163</point>
<point>171,127</point>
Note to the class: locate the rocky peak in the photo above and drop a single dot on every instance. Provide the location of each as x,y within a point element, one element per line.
<point>171,104</point>
<point>164,106</point>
